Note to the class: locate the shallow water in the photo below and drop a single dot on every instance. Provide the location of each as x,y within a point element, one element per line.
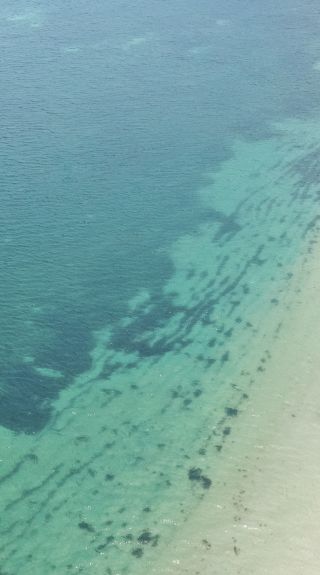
<point>159,178</point>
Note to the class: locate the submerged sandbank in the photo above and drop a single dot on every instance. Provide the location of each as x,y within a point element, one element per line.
<point>262,513</point>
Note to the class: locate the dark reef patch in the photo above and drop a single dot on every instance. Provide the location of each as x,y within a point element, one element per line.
<point>137,552</point>
<point>109,477</point>
<point>86,526</point>
<point>231,411</point>
<point>146,538</point>
<point>225,357</point>
<point>195,474</point>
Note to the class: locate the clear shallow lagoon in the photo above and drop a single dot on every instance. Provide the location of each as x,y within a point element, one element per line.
<point>159,177</point>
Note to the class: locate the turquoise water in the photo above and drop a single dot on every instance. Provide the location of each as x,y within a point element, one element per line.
<point>158,181</point>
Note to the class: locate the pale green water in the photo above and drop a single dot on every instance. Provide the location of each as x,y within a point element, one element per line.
<point>146,229</point>
<point>128,455</point>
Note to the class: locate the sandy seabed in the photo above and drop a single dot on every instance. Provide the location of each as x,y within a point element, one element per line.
<point>262,515</point>
<point>209,447</point>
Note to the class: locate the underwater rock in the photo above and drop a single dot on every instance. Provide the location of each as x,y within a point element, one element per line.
<point>195,474</point>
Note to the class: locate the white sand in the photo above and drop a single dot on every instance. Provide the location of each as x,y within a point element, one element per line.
<point>263,513</point>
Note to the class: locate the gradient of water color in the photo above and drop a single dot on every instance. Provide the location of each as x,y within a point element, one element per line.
<point>158,178</point>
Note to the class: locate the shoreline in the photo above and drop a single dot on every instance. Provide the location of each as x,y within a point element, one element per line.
<point>167,442</point>
<point>262,514</point>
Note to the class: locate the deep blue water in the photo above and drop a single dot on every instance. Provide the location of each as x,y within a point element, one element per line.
<point>111,112</point>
